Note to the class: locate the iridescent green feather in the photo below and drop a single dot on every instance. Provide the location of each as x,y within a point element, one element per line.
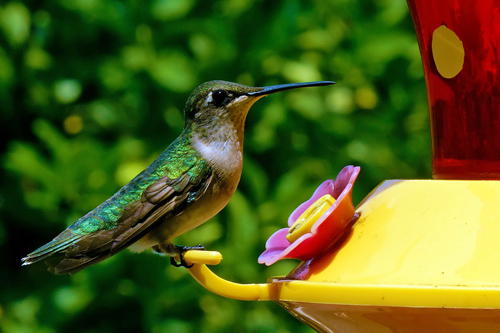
<point>179,158</point>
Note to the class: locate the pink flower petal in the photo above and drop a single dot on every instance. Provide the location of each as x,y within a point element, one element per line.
<point>326,231</point>
<point>270,256</point>
<point>326,187</point>
<point>278,239</point>
<point>275,245</point>
<point>346,176</point>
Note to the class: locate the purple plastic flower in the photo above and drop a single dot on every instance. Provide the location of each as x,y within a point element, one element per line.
<point>325,231</point>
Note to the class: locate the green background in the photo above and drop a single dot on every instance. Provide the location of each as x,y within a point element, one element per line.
<point>91,91</point>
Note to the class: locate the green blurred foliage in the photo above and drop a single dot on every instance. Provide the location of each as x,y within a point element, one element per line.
<point>93,90</point>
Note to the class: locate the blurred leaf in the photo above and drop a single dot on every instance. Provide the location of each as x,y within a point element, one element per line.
<point>67,91</point>
<point>174,71</point>
<point>171,9</point>
<point>15,21</point>
<point>92,91</point>
<point>6,69</point>
<point>300,72</point>
<point>72,299</point>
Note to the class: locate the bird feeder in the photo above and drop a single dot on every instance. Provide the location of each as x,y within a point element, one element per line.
<point>415,255</point>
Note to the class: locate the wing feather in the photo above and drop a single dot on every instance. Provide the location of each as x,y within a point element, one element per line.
<point>158,201</point>
<point>176,179</point>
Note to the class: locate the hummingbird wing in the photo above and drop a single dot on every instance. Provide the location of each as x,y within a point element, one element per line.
<point>89,240</point>
<point>141,218</point>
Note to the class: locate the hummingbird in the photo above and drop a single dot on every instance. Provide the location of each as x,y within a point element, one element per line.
<point>187,184</point>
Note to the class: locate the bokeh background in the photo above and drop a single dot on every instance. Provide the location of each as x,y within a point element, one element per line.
<point>91,91</point>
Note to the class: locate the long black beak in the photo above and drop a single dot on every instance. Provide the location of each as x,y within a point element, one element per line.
<point>281,87</point>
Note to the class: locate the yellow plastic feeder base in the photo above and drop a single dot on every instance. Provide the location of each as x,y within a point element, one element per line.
<point>424,256</point>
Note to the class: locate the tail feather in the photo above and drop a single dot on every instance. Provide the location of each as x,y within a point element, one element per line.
<point>64,254</point>
<point>57,245</point>
<point>73,265</point>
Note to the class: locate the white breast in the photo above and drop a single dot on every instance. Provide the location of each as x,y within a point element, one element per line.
<point>224,156</point>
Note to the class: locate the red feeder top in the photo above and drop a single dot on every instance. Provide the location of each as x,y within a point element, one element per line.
<point>459,43</point>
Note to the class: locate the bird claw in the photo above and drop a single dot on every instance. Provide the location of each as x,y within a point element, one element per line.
<point>182,262</point>
<point>181,250</point>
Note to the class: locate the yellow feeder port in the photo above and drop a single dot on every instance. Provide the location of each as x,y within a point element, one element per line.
<point>305,221</point>
<point>424,256</point>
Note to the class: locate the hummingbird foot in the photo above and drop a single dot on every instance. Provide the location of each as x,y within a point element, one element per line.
<point>181,250</point>
<point>177,251</point>
<point>181,263</point>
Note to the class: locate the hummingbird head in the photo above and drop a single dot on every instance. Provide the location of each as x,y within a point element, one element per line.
<point>217,109</point>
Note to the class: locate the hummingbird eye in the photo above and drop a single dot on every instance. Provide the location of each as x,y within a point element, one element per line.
<point>220,98</point>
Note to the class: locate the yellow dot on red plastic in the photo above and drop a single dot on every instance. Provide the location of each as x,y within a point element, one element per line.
<point>448,52</point>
